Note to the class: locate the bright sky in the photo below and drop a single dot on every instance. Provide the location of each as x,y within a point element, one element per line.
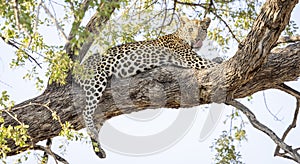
<point>186,147</point>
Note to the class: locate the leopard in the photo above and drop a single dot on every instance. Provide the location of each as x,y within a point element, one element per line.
<point>126,60</point>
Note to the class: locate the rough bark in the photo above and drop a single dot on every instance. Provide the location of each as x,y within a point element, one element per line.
<point>253,68</point>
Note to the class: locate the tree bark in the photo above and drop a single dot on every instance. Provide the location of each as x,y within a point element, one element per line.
<point>253,68</point>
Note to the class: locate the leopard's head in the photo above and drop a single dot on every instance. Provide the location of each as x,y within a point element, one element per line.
<point>193,31</point>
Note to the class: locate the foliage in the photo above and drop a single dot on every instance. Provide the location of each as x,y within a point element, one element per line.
<point>226,150</point>
<point>17,133</point>
<point>226,146</point>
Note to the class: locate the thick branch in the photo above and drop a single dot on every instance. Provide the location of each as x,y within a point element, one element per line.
<point>288,39</point>
<point>269,24</point>
<point>94,25</point>
<point>289,90</point>
<point>252,69</point>
<point>168,87</point>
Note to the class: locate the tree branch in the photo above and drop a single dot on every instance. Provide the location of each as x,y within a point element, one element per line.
<point>289,90</point>
<point>261,127</point>
<point>16,13</point>
<point>170,87</point>
<point>253,68</point>
<point>288,39</point>
<point>59,28</point>
<point>50,152</point>
<point>93,26</point>
<point>290,127</point>
<point>11,43</point>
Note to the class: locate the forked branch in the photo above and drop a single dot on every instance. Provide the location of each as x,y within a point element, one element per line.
<point>51,153</point>
<point>293,154</point>
<point>290,127</point>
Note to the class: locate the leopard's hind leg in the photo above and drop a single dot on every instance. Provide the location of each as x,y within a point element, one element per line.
<point>94,88</point>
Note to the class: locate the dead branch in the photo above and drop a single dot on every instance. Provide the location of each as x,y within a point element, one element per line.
<point>286,132</point>
<point>11,43</point>
<point>261,127</point>
<point>50,152</point>
<point>54,20</point>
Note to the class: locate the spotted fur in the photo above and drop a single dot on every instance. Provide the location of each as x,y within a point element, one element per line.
<point>130,59</point>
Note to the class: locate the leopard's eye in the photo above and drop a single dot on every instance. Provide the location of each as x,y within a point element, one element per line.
<point>190,29</point>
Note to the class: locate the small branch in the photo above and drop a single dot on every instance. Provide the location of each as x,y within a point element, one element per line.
<point>17,47</point>
<point>228,27</point>
<point>16,13</point>
<point>50,152</point>
<point>18,23</point>
<point>265,101</point>
<point>77,19</point>
<point>93,26</point>
<point>46,155</point>
<point>59,4</point>
<point>37,16</point>
<point>256,124</point>
<point>12,116</point>
<point>290,127</point>
<point>59,28</point>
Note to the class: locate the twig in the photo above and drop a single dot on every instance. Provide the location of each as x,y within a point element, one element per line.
<point>16,13</point>
<point>290,127</point>
<point>165,16</point>
<point>256,124</point>
<point>14,117</point>
<point>2,82</point>
<point>152,3</point>
<point>48,145</point>
<point>50,152</point>
<point>50,2</point>
<point>60,4</point>
<point>37,16</point>
<point>45,106</point>
<point>17,47</point>
<point>59,28</point>
<point>265,101</point>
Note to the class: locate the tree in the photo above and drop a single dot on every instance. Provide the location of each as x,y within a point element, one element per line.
<point>258,64</point>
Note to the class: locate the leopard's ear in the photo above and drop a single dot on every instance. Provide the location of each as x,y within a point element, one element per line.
<point>205,22</point>
<point>184,20</point>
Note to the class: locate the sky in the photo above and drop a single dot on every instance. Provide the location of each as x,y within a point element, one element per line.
<point>165,135</point>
